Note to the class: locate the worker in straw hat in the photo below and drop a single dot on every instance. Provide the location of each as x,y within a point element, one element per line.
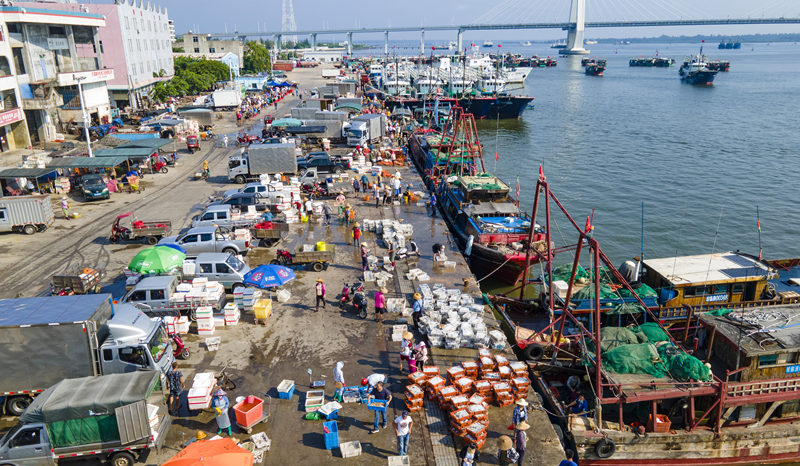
<point>220,404</point>
<point>319,292</point>
<point>520,412</point>
<point>506,455</point>
<point>417,309</point>
<point>406,352</point>
<point>521,440</point>
<point>364,253</point>
<point>380,304</point>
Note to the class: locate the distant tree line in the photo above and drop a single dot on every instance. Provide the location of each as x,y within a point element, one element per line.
<point>192,76</point>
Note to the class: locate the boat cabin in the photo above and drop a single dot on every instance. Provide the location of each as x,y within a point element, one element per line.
<point>480,188</point>
<point>707,281</point>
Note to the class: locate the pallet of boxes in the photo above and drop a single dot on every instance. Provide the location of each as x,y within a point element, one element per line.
<point>465,392</point>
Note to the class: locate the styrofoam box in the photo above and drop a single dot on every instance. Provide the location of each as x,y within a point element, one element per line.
<point>183,287</point>
<point>219,321</point>
<point>182,326</point>
<point>205,331</point>
<point>203,379</point>
<point>398,461</point>
<point>199,281</point>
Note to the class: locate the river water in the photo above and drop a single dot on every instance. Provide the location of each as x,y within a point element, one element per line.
<point>701,159</point>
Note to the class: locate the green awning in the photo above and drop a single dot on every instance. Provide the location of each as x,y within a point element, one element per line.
<point>354,107</point>
<point>129,152</point>
<point>12,173</point>
<point>88,162</point>
<point>151,143</point>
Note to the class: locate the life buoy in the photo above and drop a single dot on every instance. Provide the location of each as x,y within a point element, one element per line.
<point>534,351</point>
<point>604,448</point>
<point>468,249</point>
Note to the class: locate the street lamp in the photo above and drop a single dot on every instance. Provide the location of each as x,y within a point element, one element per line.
<point>86,120</point>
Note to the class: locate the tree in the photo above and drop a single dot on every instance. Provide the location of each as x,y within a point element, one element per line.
<point>192,76</point>
<point>256,58</point>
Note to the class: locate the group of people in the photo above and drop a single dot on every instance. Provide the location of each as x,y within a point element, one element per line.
<point>219,401</point>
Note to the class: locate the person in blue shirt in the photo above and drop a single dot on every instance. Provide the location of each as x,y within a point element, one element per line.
<point>568,461</point>
<point>379,393</point>
<point>580,406</point>
<point>267,216</point>
<point>417,309</point>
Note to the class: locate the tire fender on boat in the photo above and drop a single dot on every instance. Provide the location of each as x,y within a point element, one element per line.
<point>534,351</point>
<point>605,447</point>
<point>468,248</point>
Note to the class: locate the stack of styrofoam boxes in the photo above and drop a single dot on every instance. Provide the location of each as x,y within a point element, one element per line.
<point>452,319</point>
<point>245,298</point>
<point>398,331</point>
<point>292,216</point>
<point>418,275</point>
<point>152,417</point>
<point>231,314</point>
<point>200,394</point>
<point>498,340</point>
<point>205,320</point>
<point>182,325</point>
<point>242,234</point>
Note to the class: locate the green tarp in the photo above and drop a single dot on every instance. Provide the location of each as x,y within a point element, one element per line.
<point>150,143</point>
<point>87,162</point>
<point>130,152</point>
<point>719,312</point>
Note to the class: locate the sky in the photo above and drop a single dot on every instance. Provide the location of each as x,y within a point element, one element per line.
<point>252,16</point>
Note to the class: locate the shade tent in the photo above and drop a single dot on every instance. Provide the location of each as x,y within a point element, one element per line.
<point>150,143</point>
<point>129,152</point>
<point>217,452</point>
<point>35,173</point>
<point>88,162</point>
<point>277,84</point>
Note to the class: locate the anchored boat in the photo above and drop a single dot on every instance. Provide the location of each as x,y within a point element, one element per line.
<point>695,71</point>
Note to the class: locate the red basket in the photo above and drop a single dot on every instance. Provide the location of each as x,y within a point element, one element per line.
<point>249,411</point>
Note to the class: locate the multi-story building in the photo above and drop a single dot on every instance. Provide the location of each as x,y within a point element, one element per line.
<point>52,52</point>
<point>135,43</point>
<point>13,130</point>
<point>171,26</point>
<point>202,44</point>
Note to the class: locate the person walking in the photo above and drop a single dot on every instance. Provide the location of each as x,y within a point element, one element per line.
<point>347,210</point>
<point>521,440</point>
<point>406,345</point>
<point>416,310</point>
<point>380,304</point>
<point>432,204</point>
<point>506,455</point>
<point>364,184</point>
<point>421,354</point>
<point>309,209</point>
<point>469,455</point>
<point>356,187</point>
<point>364,254</point>
<point>220,404</point>
<point>381,394</point>
<point>319,289</point>
<point>65,208</point>
<point>338,381</point>
<point>387,195</point>
<point>356,234</point>
<point>402,427</point>
<point>326,210</point>
<point>225,141</point>
<point>176,387</point>
<point>397,186</point>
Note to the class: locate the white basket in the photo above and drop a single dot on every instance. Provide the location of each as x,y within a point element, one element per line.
<point>212,343</point>
<point>350,449</point>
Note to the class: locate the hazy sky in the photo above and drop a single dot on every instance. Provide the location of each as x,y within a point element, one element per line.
<point>251,15</point>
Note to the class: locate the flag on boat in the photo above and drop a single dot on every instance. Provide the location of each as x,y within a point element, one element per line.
<point>517,191</point>
<point>496,157</point>
<point>758,224</point>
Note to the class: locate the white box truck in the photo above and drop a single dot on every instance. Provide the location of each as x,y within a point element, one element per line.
<point>226,99</point>
<point>26,214</point>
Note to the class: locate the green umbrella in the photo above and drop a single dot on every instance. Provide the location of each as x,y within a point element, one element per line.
<point>158,259</point>
<point>287,122</point>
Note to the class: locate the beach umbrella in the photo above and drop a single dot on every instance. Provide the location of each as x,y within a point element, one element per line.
<point>287,122</point>
<point>158,259</point>
<point>219,452</point>
<point>268,276</point>
<point>174,246</point>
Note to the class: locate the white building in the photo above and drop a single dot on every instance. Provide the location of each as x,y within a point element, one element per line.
<point>13,129</point>
<point>324,56</point>
<point>52,51</point>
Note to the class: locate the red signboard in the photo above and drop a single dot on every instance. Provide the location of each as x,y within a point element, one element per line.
<point>11,116</point>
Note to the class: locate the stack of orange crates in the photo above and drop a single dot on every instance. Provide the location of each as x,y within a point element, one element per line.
<point>445,394</point>
<point>478,399</point>
<point>417,378</point>
<point>476,433</point>
<point>487,364</point>
<point>430,371</point>
<point>501,360</point>
<point>502,393</point>
<point>455,373</point>
<point>464,385</point>
<point>414,397</point>
<point>483,387</point>
<point>459,420</point>
<point>492,377</point>
<point>479,413</point>
<point>505,372</point>
<point>434,385</point>
<point>458,402</point>
<point>470,369</point>
<point>520,386</point>
<point>520,369</point>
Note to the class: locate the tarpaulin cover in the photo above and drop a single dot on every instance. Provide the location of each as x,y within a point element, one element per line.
<point>219,452</point>
<point>81,411</point>
<point>652,331</point>
<point>641,358</point>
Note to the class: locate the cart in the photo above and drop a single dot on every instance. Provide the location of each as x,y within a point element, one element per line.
<point>269,236</point>
<point>318,260</point>
<point>246,424</point>
<point>84,281</point>
<point>128,228</point>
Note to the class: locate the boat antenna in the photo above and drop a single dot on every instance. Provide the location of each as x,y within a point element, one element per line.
<point>758,226</point>
<point>641,250</point>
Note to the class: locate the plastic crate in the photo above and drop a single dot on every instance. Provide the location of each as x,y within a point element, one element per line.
<point>398,461</point>
<point>377,405</point>
<point>330,431</point>
<point>286,389</point>
<point>662,424</point>
<point>350,449</point>
<point>249,411</point>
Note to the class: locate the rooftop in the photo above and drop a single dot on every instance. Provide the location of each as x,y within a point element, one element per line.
<point>765,330</point>
<point>709,268</point>
<point>483,182</point>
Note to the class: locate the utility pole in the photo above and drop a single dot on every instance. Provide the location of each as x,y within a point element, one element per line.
<point>86,120</point>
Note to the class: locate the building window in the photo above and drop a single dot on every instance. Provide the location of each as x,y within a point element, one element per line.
<point>212,50</point>
<point>768,360</point>
<point>130,44</point>
<point>57,31</point>
<point>19,63</point>
<point>194,39</point>
<point>5,68</point>
<point>138,45</point>
<point>14,28</point>
<point>101,46</point>
<point>197,50</point>
<point>127,23</point>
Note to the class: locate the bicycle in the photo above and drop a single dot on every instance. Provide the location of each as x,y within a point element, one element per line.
<point>224,380</point>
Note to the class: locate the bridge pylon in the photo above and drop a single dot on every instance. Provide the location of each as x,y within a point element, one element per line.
<point>577,19</point>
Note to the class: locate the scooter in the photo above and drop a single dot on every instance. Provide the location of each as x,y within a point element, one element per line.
<point>360,304</point>
<point>180,350</point>
<point>348,290</point>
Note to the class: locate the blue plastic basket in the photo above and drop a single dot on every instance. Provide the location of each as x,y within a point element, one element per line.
<point>332,437</point>
<point>382,406</point>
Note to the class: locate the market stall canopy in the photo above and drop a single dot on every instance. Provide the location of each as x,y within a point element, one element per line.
<point>287,122</point>
<point>129,152</point>
<point>268,276</point>
<point>151,143</point>
<point>217,452</point>
<point>158,259</point>
<point>277,84</point>
<point>78,398</point>
<point>163,122</point>
<point>88,162</point>
<point>33,173</point>
<point>351,107</point>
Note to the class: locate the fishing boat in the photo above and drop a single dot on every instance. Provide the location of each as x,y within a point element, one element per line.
<point>558,45</point>
<point>526,43</point>
<point>481,107</point>
<point>487,44</point>
<point>720,387</point>
<point>694,70</point>
<point>719,65</point>
<point>590,42</point>
<point>595,67</point>
<point>452,45</point>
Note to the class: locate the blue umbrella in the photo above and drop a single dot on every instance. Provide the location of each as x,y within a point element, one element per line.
<point>268,276</point>
<point>173,246</point>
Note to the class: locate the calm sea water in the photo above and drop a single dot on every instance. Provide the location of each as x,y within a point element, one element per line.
<point>701,159</point>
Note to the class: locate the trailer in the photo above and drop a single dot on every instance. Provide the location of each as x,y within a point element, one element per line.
<point>26,214</point>
<point>269,236</point>
<point>127,227</point>
<point>307,256</point>
<point>84,281</point>
<point>226,99</point>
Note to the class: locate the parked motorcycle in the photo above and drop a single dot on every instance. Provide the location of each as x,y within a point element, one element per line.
<point>179,350</point>
<point>346,294</point>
